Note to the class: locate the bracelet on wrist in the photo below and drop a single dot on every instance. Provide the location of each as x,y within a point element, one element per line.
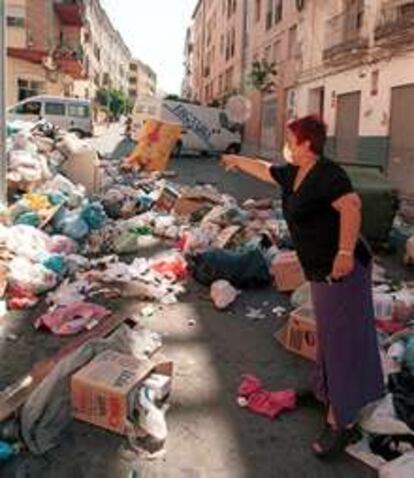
<point>343,252</point>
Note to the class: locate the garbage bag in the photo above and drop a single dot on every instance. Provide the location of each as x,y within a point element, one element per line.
<point>56,264</point>
<point>32,277</point>
<point>73,226</point>
<point>72,319</point>
<point>408,358</point>
<point>242,268</point>
<point>29,219</point>
<point>27,241</point>
<point>94,216</point>
<point>401,385</point>
<point>223,294</point>
<point>62,245</point>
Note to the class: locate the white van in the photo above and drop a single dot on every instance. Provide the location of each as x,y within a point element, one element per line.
<point>206,130</point>
<point>71,114</point>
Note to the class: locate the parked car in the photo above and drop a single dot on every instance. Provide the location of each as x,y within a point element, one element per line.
<point>71,114</point>
<point>206,130</point>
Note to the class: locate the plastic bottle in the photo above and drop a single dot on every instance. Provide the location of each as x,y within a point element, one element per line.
<point>151,418</point>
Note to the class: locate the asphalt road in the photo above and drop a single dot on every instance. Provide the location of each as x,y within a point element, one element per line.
<point>209,435</point>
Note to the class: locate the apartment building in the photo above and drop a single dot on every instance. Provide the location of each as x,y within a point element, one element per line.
<point>228,36</point>
<point>106,56</point>
<point>216,49</point>
<point>63,48</point>
<point>142,80</point>
<point>44,51</point>
<point>273,36</point>
<point>187,86</point>
<point>358,73</point>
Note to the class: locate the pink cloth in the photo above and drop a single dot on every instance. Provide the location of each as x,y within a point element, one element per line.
<point>73,319</point>
<point>390,326</point>
<point>264,402</point>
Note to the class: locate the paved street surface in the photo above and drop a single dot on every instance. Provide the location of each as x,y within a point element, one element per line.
<point>209,435</point>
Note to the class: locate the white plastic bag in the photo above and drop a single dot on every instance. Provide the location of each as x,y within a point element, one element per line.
<point>223,294</point>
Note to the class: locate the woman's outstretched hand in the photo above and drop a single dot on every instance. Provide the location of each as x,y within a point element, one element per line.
<point>230,162</point>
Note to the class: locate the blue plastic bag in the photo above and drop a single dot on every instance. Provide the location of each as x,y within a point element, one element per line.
<point>94,215</point>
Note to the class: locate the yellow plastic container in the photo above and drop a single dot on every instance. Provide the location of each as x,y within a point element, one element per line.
<point>154,148</point>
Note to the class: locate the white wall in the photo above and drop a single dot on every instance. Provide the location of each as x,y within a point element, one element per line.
<point>375,110</point>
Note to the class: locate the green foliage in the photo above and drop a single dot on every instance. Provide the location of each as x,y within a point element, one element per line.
<point>262,75</point>
<point>116,101</point>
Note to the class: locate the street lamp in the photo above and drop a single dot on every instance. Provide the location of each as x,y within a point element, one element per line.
<point>3,135</point>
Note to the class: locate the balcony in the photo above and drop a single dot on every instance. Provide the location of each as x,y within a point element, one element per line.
<point>346,35</point>
<point>395,24</point>
<point>70,61</point>
<point>69,12</point>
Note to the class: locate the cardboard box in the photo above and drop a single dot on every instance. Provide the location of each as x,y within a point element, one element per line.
<point>287,272</point>
<point>167,200</point>
<point>299,334</point>
<point>186,206</point>
<point>100,391</point>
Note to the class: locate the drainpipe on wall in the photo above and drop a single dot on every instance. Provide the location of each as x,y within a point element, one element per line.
<point>3,156</point>
<point>244,47</point>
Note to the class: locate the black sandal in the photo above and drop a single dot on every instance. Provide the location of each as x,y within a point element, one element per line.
<point>333,441</point>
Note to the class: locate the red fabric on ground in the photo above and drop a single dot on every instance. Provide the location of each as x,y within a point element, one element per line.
<point>389,326</point>
<point>265,402</point>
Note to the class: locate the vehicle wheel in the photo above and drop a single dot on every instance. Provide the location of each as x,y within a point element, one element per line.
<point>78,133</point>
<point>176,153</point>
<point>234,148</point>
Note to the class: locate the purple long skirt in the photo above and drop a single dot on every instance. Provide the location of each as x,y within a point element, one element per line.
<point>348,373</point>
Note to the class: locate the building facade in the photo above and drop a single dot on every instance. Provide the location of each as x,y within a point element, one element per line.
<point>106,56</point>
<point>228,36</point>
<point>349,61</point>
<point>215,51</point>
<point>187,87</point>
<point>142,80</point>
<point>63,48</point>
<point>44,51</point>
<point>358,73</point>
<point>272,36</point>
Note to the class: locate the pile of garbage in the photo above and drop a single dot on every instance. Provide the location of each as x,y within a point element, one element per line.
<point>80,230</point>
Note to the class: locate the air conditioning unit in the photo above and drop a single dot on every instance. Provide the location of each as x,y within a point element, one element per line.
<point>49,64</point>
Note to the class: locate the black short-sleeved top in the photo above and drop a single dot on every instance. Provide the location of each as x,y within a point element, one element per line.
<point>313,222</point>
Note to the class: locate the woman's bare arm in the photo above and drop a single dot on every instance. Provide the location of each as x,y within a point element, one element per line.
<point>257,168</point>
<point>349,208</point>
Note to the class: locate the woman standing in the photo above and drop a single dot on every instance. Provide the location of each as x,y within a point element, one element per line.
<point>324,218</point>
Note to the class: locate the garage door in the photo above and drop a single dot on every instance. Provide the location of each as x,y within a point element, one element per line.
<point>401,160</point>
<point>269,126</point>
<point>347,126</point>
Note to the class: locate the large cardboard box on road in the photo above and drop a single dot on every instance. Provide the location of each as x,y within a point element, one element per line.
<point>100,390</point>
<point>287,272</point>
<point>82,165</point>
<point>299,334</point>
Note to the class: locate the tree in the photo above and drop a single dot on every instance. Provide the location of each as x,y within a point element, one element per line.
<point>261,76</point>
<point>116,101</point>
